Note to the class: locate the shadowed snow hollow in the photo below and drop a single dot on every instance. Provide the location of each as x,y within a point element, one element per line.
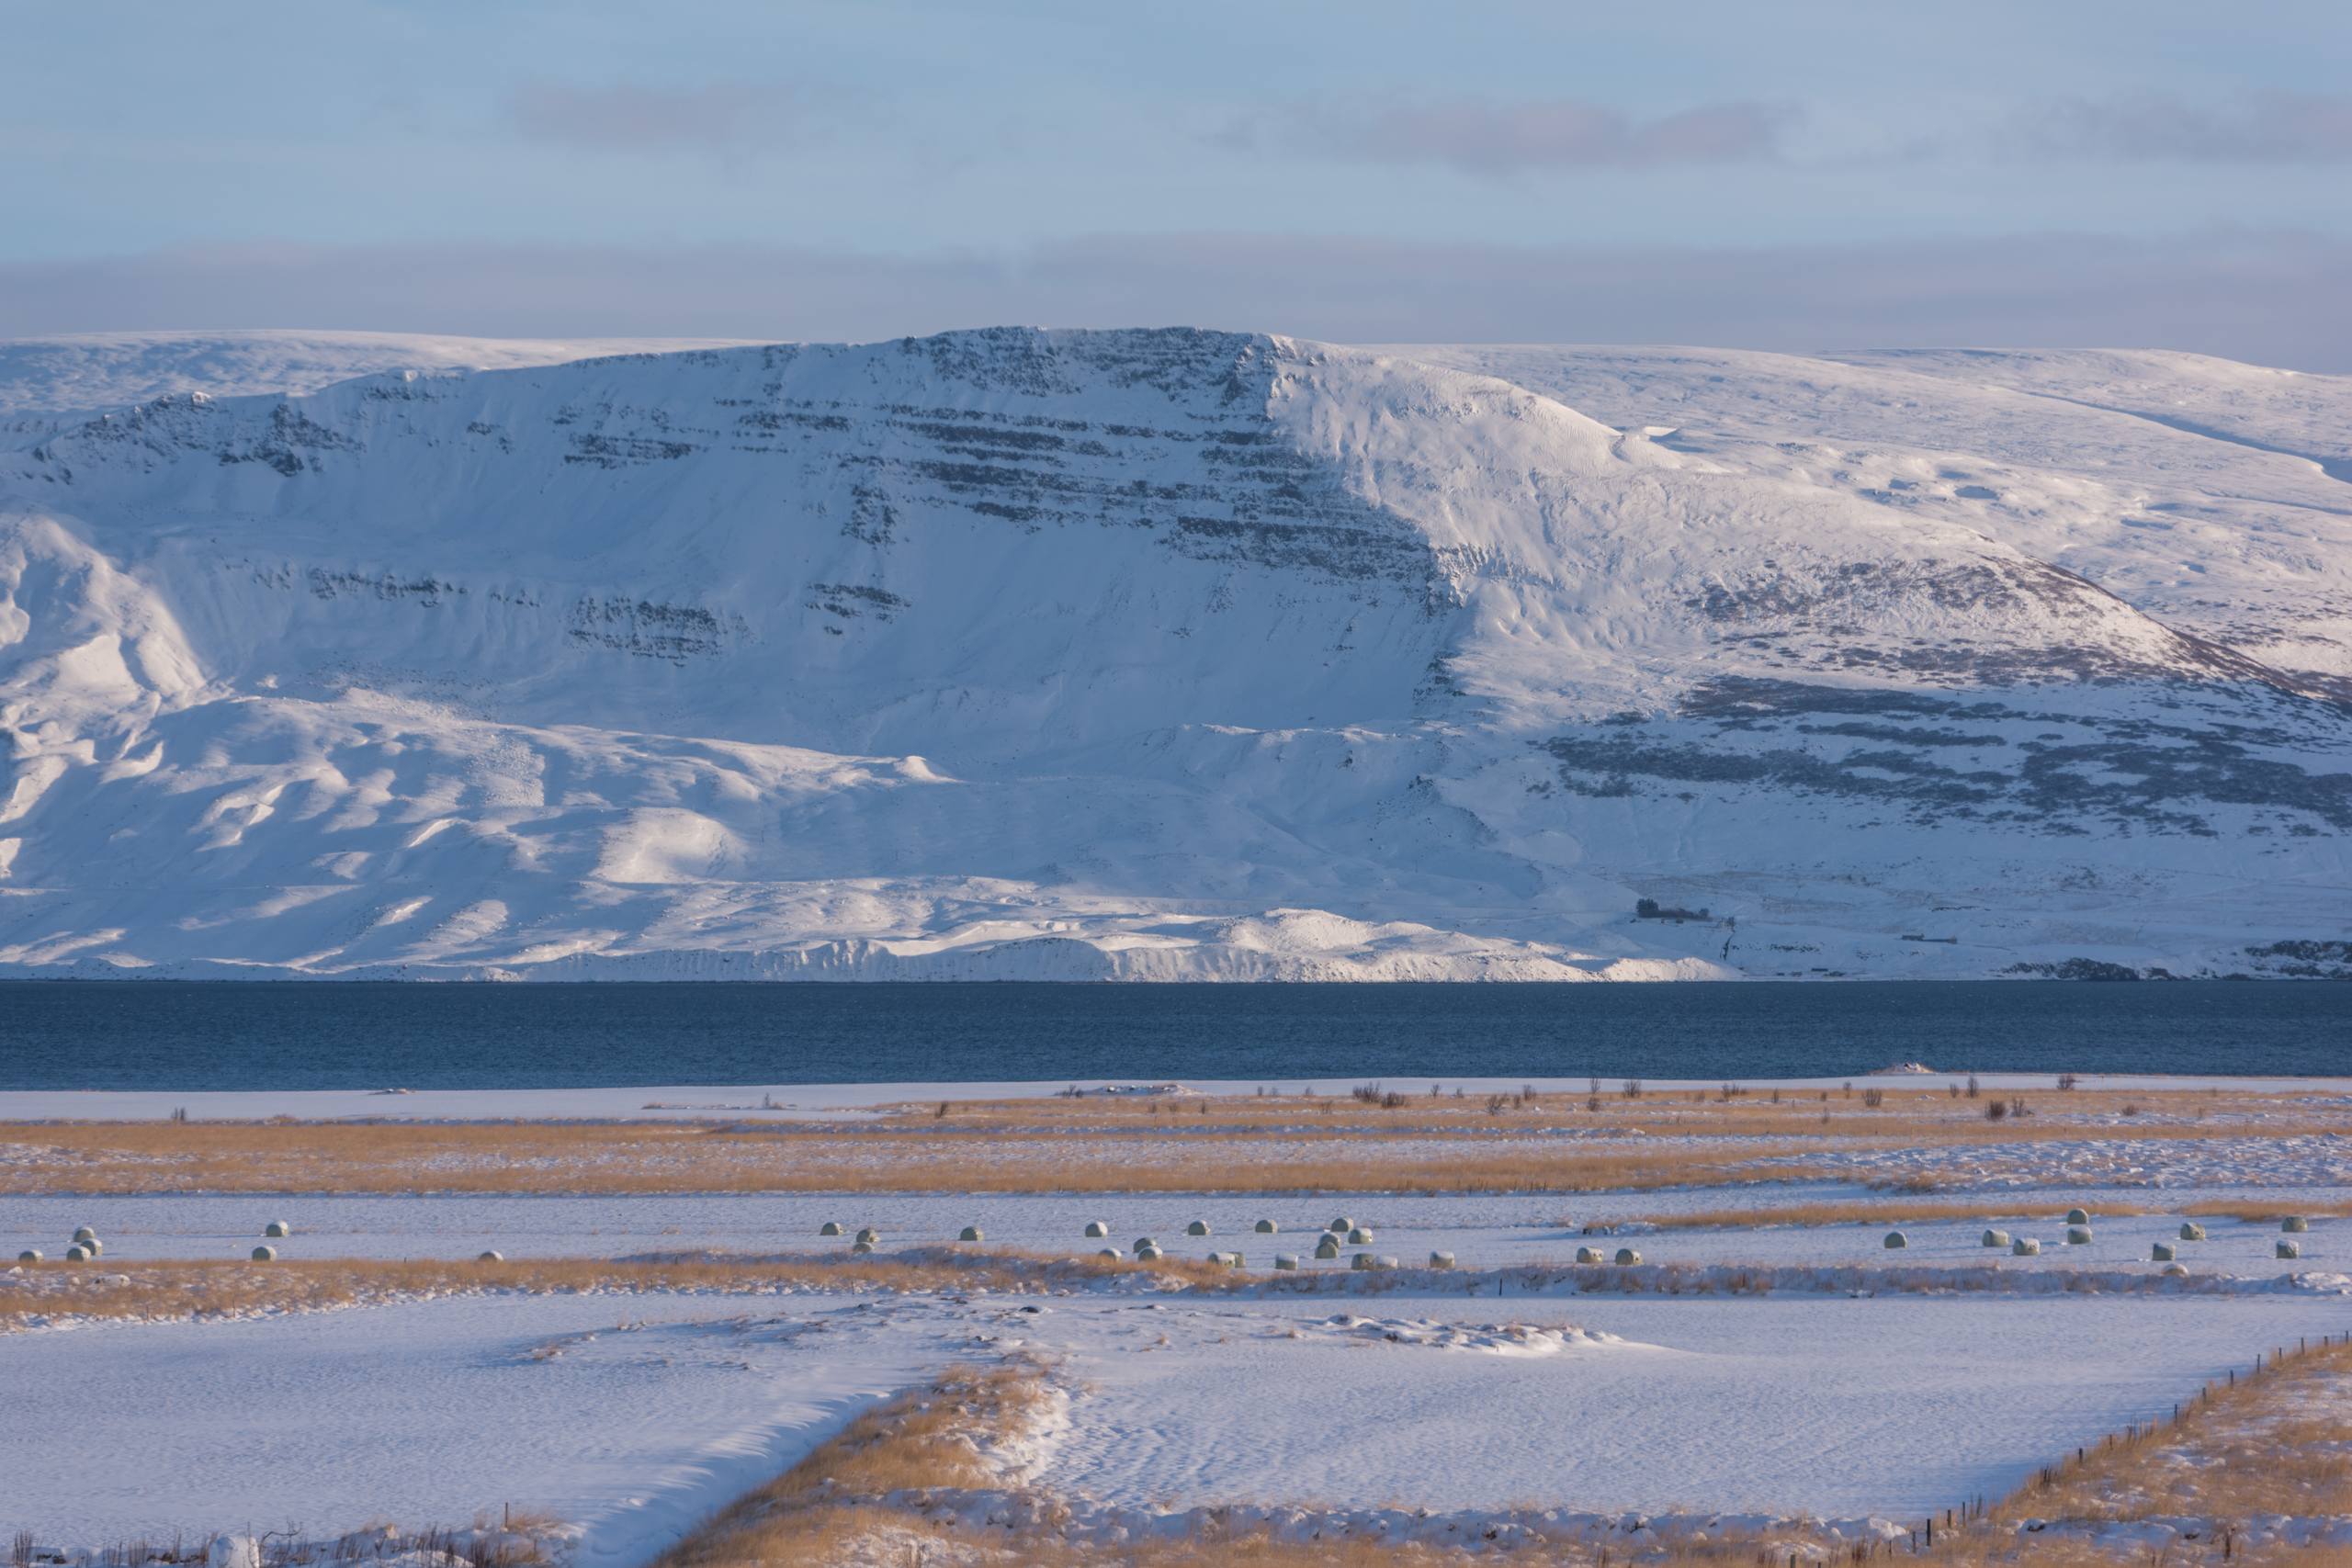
<point>1169,655</point>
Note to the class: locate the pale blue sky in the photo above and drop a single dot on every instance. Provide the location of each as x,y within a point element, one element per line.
<point>1988,172</point>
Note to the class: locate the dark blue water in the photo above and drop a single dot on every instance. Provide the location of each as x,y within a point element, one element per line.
<point>165,1035</point>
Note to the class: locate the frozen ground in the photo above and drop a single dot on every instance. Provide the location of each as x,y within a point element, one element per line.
<point>631,1417</point>
<point>787,1101</point>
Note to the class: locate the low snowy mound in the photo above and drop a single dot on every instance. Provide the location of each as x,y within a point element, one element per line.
<point>1162,654</point>
<point>1484,1338</point>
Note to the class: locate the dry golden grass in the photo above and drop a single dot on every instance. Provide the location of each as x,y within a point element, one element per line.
<point>118,1159</point>
<point>181,1290</point>
<point>1247,1143</point>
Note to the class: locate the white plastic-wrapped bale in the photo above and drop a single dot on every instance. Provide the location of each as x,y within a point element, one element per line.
<point>831,1227</point>
<point>869,1235</point>
<point>860,1248</point>
<point>2294,1224</point>
<point>2192,1232</point>
<point>91,1246</point>
<point>1112,1253</point>
<point>1993,1238</point>
<point>2078,1216</point>
<point>29,1254</point>
<point>491,1257</point>
<point>2024,1246</point>
<point>1588,1255</point>
<point>1235,1261</point>
<point>1895,1239</point>
<point>1285,1263</point>
<point>1328,1247</point>
<point>1341,1225</point>
<point>2174,1270</point>
<point>265,1255</point>
<point>1198,1227</point>
<point>1359,1236</point>
<point>2078,1235</point>
<point>1628,1257</point>
<point>1363,1260</point>
<point>1266,1227</point>
<point>77,1253</point>
<point>84,1233</point>
<point>2160,1252</point>
<point>1149,1253</point>
<point>970,1233</point>
<point>1096,1230</point>
<point>1145,1244</point>
<point>278,1230</point>
<point>1384,1262</point>
<point>2290,1249</point>
<point>1441,1260</point>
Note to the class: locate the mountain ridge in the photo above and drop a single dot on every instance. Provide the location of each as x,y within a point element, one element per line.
<point>1172,654</point>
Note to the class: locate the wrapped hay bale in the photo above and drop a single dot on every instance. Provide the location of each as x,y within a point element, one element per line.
<point>2294,1224</point>
<point>1112,1253</point>
<point>1993,1238</point>
<point>492,1257</point>
<point>2078,1235</point>
<point>1285,1263</point>
<point>2024,1246</point>
<point>276,1230</point>
<point>1341,1225</point>
<point>1896,1239</point>
<point>2078,1216</point>
<point>84,1233</point>
<point>1266,1227</point>
<point>1359,1236</point>
<point>265,1255</point>
<point>1628,1257</point>
<point>1328,1247</point>
<point>77,1253</point>
<point>2291,1249</point>
<point>1588,1255</point>
<point>970,1233</point>
<point>1149,1253</point>
<point>2192,1232</point>
<point>2162,1252</point>
<point>860,1248</point>
<point>869,1235</point>
<point>1096,1230</point>
<point>1198,1227</point>
<point>29,1254</point>
<point>1384,1263</point>
<point>1441,1260</point>
<point>1363,1260</point>
<point>831,1227</point>
<point>1145,1244</point>
<point>2174,1270</point>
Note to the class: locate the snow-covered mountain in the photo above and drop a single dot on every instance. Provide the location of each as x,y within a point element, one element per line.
<point>1167,655</point>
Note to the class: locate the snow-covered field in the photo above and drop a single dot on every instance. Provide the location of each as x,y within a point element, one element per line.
<point>1749,1367</point>
<point>1166,655</point>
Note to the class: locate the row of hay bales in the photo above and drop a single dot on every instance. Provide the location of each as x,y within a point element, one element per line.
<point>86,1247</point>
<point>2079,1234</point>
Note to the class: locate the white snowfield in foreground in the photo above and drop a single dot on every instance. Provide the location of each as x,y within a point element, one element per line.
<point>629,1418</point>
<point>1166,655</point>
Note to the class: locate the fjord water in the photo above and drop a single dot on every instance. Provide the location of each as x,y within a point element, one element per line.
<point>281,1034</point>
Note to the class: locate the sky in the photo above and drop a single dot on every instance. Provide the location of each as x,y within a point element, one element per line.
<point>1822,174</point>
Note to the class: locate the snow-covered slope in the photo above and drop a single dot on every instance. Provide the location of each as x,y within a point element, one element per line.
<point>1170,654</point>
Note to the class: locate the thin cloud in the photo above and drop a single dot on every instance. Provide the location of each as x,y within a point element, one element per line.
<point>2275,128</point>
<point>2267,296</point>
<point>1487,138</point>
<point>724,119</point>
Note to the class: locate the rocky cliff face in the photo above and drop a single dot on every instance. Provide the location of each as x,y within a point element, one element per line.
<point>1171,655</point>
